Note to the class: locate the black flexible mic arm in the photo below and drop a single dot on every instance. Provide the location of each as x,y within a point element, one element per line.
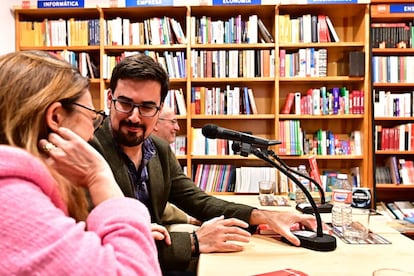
<point>320,190</point>
<point>263,156</point>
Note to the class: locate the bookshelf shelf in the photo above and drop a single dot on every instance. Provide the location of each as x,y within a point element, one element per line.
<point>393,51</point>
<point>234,80</point>
<point>234,46</point>
<point>395,186</point>
<point>326,79</point>
<point>166,47</point>
<point>347,157</point>
<point>269,89</point>
<point>410,118</point>
<point>396,85</point>
<point>234,117</point>
<point>394,152</point>
<point>321,117</point>
<point>322,45</point>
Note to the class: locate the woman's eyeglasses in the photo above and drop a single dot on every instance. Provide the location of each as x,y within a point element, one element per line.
<point>99,115</point>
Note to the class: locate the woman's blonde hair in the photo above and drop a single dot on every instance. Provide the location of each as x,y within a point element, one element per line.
<point>30,81</point>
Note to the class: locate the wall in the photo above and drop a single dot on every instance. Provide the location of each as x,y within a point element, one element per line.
<point>7,25</point>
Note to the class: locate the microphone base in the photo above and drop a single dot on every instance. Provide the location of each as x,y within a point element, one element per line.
<point>325,243</point>
<point>306,208</point>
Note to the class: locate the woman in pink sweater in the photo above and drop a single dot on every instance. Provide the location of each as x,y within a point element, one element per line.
<point>45,228</point>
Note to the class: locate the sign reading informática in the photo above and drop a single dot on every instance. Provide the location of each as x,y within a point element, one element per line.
<point>139,3</point>
<point>61,4</point>
<point>236,2</point>
<point>401,8</point>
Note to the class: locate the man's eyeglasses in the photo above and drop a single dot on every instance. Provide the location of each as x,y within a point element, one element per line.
<point>144,109</point>
<point>172,121</point>
<point>99,115</point>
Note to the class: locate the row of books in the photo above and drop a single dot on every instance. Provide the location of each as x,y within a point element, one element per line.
<point>59,32</point>
<point>306,28</point>
<point>230,100</point>
<point>152,31</point>
<point>234,30</point>
<point>397,138</point>
<point>393,69</point>
<point>393,104</point>
<point>205,146</point>
<point>82,61</point>
<point>232,63</point>
<point>324,101</point>
<point>396,171</point>
<point>392,35</point>
<point>215,178</point>
<point>179,146</point>
<point>306,62</point>
<point>326,179</point>
<point>401,210</point>
<point>176,101</point>
<point>295,141</point>
<point>173,62</point>
<point>229,178</point>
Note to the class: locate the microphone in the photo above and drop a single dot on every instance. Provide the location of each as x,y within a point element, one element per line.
<point>215,132</point>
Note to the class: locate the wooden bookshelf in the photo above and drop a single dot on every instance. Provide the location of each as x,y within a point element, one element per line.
<point>351,22</point>
<point>387,14</point>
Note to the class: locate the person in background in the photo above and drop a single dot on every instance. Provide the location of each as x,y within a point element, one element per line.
<point>46,165</point>
<point>167,125</point>
<point>166,128</point>
<point>146,169</point>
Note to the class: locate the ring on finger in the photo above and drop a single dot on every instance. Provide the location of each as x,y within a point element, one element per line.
<point>48,147</point>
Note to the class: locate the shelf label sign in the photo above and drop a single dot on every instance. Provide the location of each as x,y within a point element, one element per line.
<point>42,4</point>
<point>236,2</point>
<point>140,3</point>
<point>401,8</point>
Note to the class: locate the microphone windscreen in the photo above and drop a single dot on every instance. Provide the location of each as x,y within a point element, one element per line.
<point>209,131</point>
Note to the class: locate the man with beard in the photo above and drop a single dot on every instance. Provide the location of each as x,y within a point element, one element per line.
<point>146,169</point>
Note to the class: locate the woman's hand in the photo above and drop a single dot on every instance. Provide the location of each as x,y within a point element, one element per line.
<point>80,163</point>
<point>160,233</point>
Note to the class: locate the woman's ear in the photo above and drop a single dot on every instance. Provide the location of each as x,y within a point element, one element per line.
<point>54,116</point>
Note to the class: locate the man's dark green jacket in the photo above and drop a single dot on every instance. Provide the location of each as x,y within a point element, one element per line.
<point>167,182</point>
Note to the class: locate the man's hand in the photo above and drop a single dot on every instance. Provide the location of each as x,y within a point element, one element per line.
<point>284,222</point>
<point>218,234</point>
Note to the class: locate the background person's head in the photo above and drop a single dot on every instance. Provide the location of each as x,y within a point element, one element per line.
<point>38,94</point>
<point>167,125</point>
<point>137,91</point>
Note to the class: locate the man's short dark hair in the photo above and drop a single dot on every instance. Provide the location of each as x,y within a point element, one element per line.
<point>140,67</point>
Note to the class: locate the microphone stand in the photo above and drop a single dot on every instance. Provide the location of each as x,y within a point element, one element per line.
<point>323,207</point>
<point>320,242</point>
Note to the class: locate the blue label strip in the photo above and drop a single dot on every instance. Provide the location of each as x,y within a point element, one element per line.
<point>60,4</point>
<point>236,2</point>
<point>401,8</point>
<point>140,3</point>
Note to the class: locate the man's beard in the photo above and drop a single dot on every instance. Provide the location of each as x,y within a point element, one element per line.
<point>129,139</point>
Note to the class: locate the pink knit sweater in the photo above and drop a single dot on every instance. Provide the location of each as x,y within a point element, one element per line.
<point>37,236</point>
